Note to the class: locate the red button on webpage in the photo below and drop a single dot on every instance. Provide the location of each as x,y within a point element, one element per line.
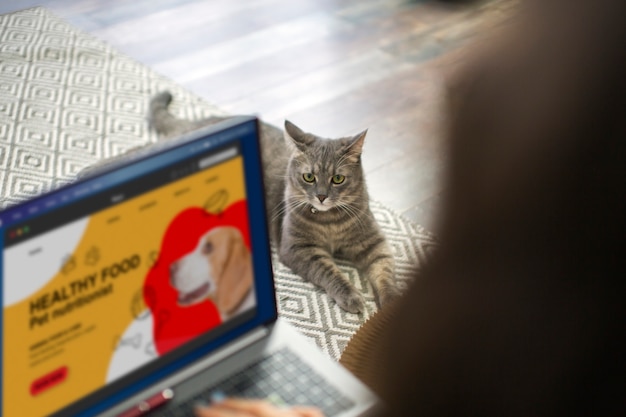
<point>48,381</point>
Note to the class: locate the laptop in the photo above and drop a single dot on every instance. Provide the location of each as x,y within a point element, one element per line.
<point>147,288</point>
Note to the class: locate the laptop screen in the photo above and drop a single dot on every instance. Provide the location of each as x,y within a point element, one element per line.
<point>116,281</point>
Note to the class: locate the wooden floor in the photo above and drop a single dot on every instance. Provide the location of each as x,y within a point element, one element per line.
<point>333,67</point>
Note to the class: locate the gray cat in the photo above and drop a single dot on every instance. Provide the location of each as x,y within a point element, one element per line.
<point>318,206</point>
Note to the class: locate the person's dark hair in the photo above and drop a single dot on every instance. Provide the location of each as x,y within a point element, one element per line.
<point>521,311</point>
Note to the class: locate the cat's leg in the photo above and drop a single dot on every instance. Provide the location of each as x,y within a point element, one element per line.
<point>377,264</point>
<point>317,266</point>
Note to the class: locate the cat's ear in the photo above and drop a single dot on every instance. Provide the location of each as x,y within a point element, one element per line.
<point>354,148</point>
<point>296,136</point>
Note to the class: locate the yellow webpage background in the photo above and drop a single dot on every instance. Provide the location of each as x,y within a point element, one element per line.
<point>92,330</point>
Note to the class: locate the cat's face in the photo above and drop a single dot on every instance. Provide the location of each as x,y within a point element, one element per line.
<point>324,173</point>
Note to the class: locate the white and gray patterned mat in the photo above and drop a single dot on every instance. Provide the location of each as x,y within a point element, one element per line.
<point>67,101</point>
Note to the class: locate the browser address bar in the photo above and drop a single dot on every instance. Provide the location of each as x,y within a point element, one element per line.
<point>218,157</point>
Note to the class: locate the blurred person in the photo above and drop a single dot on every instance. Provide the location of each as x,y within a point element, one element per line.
<point>520,312</point>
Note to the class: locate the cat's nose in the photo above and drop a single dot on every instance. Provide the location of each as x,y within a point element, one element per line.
<point>322,197</point>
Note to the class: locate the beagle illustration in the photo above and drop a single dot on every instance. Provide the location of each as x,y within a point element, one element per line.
<point>219,268</point>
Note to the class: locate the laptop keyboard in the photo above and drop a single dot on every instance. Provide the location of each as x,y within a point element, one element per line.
<point>281,378</point>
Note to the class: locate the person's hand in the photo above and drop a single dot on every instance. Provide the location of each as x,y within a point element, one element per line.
<point>232,407</point>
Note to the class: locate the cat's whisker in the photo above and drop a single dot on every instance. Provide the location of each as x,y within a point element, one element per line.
<point>290,204</point>
<point>356,209</point>
<point>348,164</point>
<point>278,213</point>
<point>295,204</point>
<point>342,161</point>
<point>351,199</point>
<point>299,206</point>
<point>354,213</point>
<point>281,176</point>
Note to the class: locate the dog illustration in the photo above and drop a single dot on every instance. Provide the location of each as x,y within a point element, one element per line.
<point>219,268</point>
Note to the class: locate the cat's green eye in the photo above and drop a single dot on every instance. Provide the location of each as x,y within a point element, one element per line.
<point>338,179</point>
<point>308,177</point>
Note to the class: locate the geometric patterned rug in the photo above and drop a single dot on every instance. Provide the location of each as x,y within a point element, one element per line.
<point>68,100</point>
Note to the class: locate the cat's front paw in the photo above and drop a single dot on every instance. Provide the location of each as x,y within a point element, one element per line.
<point>352,303</point>
<point>388,294</point>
